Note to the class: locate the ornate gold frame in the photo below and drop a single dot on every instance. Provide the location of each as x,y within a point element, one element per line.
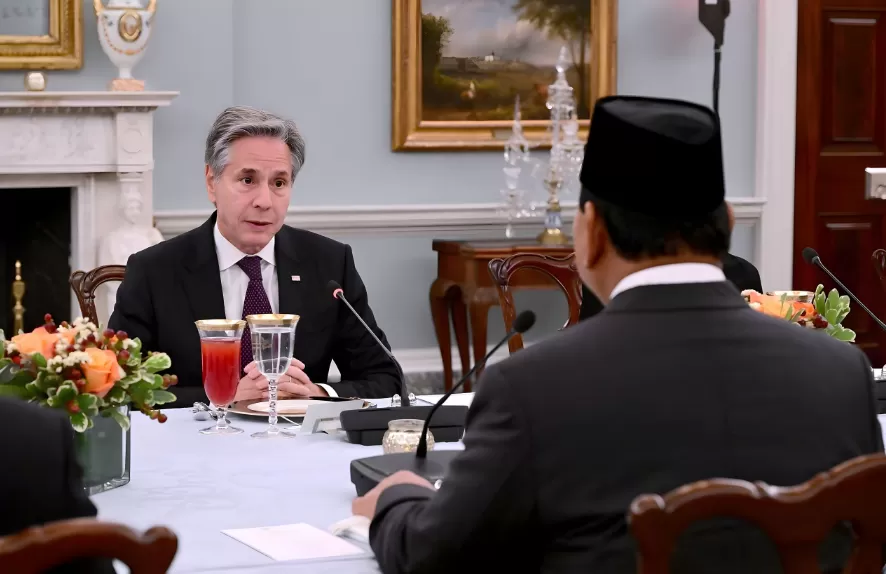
<point>409,132</point>
<point>61,49</point>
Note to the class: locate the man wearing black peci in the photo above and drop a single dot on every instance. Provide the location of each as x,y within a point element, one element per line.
<point>245,261</point>
<point>676,380</point>
<point>740,272</point>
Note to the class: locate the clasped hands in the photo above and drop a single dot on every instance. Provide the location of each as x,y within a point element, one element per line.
<point>294,383</point>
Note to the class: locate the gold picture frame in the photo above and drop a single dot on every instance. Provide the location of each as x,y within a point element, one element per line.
<point>410,132</point>
<point>60,49</point>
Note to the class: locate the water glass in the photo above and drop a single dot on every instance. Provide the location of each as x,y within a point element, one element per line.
<point>273,336</point>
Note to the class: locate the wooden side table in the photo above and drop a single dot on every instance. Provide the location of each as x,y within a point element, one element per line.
<point>464,291</point>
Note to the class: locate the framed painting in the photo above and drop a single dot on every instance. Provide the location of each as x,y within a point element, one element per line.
<point>458,67</point>
<point>41,34</point>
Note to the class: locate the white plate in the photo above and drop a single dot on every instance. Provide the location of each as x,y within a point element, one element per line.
<point>284,407</point>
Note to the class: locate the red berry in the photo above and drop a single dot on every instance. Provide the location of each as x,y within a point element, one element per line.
<point>17,359</point>
<point>91,338</point>
<point>122,335</point>
<point>154,415</point>
<point>162,418</point>
<point>124,354</point>
<point>76,374</point>
<point>50,328</point>
<point>48,318</point>
<point>80,383</point>
<point>108,333</point>
<point>73,407</point>
<point>70,348</point>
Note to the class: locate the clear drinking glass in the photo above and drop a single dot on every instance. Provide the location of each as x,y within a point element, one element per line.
<point>273,337</point>
<point>220,350</point>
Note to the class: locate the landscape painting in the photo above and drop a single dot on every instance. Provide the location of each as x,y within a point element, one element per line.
<point>459,66</point>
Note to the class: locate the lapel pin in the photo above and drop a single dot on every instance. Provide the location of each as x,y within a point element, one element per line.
<point>296,277</point>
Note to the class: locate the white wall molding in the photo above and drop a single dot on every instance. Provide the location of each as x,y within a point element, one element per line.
<point>776,135</point>
<point>411,219</point>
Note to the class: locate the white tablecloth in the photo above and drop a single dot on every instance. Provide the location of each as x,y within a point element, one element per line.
<point>199,485</point>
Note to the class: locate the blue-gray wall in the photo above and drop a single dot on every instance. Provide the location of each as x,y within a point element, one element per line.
<point>327,65</point>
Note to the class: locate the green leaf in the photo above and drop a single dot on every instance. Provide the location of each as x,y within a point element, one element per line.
<point>116,396</point>
<point>833,299</point>
<point>818,290</point>
<point>128,380</point>
<point>844,301</point>
<point>157,362</point>
<point>39,360</point>
<point>134,361</point>
<point>841,316</point>
<point>121,419</point>
<point>796,316</point>
<point>79,422</point>
<point>831,316</point>
<point>88,404</point>
<point>846,335</point>
<point>820,303</point>
<point>66,392</point>
<point>34,390</point>
<point>163,397</point>
<point>14,391</point>
<point>2,344</point>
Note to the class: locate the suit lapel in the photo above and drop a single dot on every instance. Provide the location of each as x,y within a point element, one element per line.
<point>291,275</point>
<point>202,280</point>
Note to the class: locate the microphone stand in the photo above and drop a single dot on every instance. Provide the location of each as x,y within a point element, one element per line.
<point>404,394</point>
<point>817,262</point>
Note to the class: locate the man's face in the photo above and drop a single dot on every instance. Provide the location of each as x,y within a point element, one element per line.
<point>252,193</point>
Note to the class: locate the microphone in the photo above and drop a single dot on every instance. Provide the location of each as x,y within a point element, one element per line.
<point>811,257</point>
<point>366,473</point>
<point>522,323</point>
<point>338,293</point>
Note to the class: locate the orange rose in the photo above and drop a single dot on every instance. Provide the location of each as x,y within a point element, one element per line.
<point>101,372</point>
<point>37,341</point>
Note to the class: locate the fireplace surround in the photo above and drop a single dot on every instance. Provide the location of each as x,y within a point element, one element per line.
<point>98,144</point>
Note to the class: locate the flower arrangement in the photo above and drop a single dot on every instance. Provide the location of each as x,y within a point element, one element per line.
<point>817,311</point>
<point>84,371</point>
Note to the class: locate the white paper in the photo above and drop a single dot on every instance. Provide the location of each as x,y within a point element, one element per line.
<point>293,542</point>
<point>455,399</point>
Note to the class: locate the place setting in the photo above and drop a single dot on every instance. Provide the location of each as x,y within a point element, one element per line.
<point>272,337</point>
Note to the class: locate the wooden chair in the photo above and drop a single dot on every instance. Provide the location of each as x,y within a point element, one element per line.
<point>561,269</point>
<point>797,519</point>
<point>40,548</point>
<point>85,283</point>
<point>879,261</point>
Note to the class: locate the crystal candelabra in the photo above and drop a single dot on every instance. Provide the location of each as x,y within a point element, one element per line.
<point>516,154</point>
<point>566,155</point>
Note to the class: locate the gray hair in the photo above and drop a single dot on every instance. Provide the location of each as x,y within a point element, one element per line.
<point>243,121</point>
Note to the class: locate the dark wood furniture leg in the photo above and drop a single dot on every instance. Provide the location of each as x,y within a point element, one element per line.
<point>460,326</point>
<point>479,316</point>
<point>440,304</point>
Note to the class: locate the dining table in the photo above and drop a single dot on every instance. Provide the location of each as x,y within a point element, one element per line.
<point>200,485</point>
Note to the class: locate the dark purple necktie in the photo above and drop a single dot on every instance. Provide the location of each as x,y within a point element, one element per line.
<point>255,303</point>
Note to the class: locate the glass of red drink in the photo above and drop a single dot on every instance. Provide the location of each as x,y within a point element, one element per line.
<point>220,350</point>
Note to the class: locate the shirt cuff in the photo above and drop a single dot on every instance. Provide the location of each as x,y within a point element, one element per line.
<point>329,390</point>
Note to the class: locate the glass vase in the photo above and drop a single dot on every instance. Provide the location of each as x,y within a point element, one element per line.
<point>403,435</point>
<point>103,452</point>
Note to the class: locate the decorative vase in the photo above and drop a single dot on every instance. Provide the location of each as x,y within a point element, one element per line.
<point>103,453</point>
<point>124,27</point>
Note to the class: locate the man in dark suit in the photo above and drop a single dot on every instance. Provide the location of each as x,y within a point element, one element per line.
<point>245,261</point>
<point>675,381</point>
<point>740,272</point>
<point>41,479</point>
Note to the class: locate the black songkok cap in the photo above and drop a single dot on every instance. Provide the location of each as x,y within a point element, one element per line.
<point>654,156</point>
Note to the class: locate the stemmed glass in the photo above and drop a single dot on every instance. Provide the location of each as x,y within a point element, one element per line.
<point>273,336</point>
<point>220,350</point>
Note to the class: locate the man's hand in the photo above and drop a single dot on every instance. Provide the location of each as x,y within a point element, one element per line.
<point>365,505</point>
<point>294,383</point>
<point>247,389</point>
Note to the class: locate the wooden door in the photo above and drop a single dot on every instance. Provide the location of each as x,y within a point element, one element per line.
<point>841,130</point>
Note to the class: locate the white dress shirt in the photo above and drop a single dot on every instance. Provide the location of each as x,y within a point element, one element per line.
<point>234,281</point>
<point>670,275</point>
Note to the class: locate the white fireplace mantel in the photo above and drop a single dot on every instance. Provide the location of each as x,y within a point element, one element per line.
<point>98,144</point>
